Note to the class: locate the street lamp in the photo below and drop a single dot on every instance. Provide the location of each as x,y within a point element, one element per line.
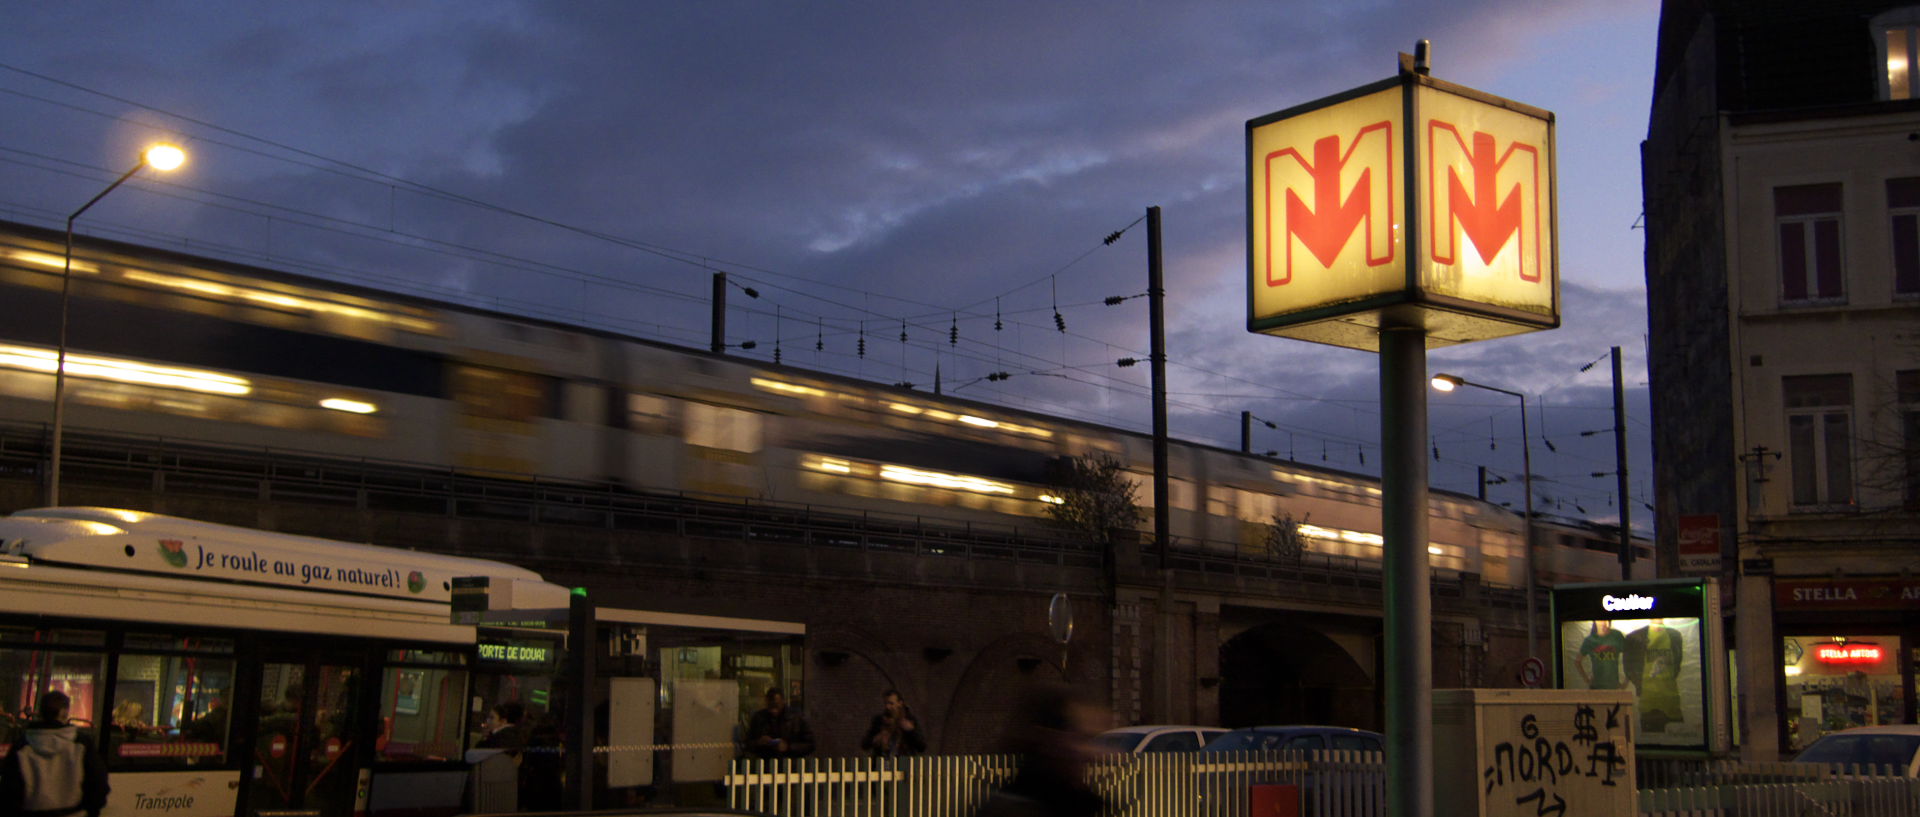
<point>1446,383</point>
<point>162,157</point>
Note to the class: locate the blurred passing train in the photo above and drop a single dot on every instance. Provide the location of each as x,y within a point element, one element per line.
<point>177,346</point>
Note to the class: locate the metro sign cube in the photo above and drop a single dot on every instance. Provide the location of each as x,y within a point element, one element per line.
<point>1357,221</point>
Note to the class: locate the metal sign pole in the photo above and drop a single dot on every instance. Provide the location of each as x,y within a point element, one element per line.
<point>1409,613</point>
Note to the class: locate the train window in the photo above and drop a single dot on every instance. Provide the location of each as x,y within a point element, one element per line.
<point>422,714</point>
<point>28,673</point>
<point>170,710</point>
<point>711,426</point>
<point>648,413</point>
<point>501,394</point>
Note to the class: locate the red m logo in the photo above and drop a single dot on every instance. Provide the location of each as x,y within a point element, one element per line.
<point>1343,191</point>
<point>1487,195</point>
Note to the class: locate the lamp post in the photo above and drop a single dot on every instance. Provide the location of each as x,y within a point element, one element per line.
<point>1447,382</point>
<point>162,157</point>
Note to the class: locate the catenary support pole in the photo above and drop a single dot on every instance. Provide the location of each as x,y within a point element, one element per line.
<point>1620,469</point>
<point>1157,324</point>
<point>719,326</point>
<point>1409,607</point>
<point>1246,432</point>
<point>1162,514</point>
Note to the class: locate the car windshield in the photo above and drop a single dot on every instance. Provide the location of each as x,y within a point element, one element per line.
<point>1238,740</point>
<point>1118,743</point>
<point>1878,750</point>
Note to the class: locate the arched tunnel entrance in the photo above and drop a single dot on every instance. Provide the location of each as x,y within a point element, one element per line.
<point>1288,674</point>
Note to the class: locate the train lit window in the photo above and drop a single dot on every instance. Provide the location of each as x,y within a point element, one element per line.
<point>711,426</point>
<point>501,394</point>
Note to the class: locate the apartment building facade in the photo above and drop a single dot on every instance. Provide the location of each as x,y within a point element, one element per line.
<point>1781,184</point>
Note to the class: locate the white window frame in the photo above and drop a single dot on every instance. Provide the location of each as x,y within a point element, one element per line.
<point>1811,250</point>
<point>1824,499</point>
<point>1894,213</point>
<point>1901,21</point>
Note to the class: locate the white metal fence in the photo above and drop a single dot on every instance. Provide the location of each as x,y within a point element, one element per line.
<point>1328,784</point>
<point>1739,789</point>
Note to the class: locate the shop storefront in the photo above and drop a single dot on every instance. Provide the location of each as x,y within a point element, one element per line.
<point>1847,653</point>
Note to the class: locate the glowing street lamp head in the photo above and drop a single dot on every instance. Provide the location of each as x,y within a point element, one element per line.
<point>1445,382</point>
<point>163,156</point>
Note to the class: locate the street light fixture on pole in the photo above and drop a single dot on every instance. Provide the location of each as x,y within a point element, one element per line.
<point>162,157</point>
<point>1447,382</point>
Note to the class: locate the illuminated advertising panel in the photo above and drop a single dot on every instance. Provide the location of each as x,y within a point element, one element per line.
<point>1659,640</point>
<point>1410,201</point>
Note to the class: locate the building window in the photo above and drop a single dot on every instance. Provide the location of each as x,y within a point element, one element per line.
<point>1897,33</point>
<point>1808,219</point>
<point>1907,384</point>
<point>1903,211</point>
<point>1820,438</point>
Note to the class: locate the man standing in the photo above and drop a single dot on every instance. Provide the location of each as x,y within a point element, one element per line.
<point>53,769</point>
<point>895,731</point>
<point>777,731</point>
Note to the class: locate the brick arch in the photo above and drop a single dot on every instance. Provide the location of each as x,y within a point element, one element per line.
<point>992,684</point>
<point>1283,673</point>
<point>871,667</point>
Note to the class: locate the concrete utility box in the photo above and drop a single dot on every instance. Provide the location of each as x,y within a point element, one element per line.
<point>1527,752</point>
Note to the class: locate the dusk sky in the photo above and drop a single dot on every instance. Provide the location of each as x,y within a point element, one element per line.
<point>861,165</point>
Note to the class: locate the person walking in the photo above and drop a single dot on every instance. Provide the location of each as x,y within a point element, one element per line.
<point>777,731</point>
<point>895,732</point>
<point>53,768</point>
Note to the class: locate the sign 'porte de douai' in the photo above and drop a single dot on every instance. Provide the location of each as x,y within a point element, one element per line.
<point>1410,201</point>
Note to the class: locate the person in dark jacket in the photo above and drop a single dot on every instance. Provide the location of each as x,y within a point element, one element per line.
<point>53,769</point>
<point>1052,735</point>
<point>502,730</point>
<point>896,731</point>
<point>778,731</point>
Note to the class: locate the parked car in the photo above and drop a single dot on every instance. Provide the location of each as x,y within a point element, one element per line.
<point>1897,746</point>
<point>1132,740</point>
<point>1300,738</point>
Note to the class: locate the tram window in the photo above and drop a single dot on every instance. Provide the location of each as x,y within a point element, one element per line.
<point>70,638</point>
<point>138,642</point>
<point>26,674</point>
<point>422,714</point>
<point>170,710</point>
<point>426,657</point>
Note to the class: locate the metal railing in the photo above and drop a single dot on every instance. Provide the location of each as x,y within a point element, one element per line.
<point>1188,784</point>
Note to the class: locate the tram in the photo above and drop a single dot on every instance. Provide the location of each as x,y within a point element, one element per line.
<point>226,671</point>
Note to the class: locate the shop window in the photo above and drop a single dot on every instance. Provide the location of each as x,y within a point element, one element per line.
<point>1807,220</point>
<point>422,714</point>
<point>1841,682</point>
<point>1903,214</point>
<point>170,710</point>
<point>1820,439</point>
<point>1897,33</point>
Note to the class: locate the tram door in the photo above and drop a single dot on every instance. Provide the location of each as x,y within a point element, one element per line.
<point>306,738</point>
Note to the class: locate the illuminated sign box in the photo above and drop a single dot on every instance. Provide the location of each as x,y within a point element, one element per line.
<point>1407,202</point>
<point>1659,640</point>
